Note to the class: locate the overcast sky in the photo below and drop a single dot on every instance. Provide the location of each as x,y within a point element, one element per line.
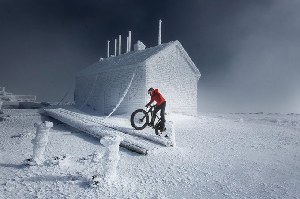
<point>248,51</point>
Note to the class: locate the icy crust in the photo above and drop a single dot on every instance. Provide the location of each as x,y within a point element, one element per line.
<point>100,129</point>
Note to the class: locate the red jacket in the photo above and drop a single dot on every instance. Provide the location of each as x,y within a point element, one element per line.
<point>157,97</point>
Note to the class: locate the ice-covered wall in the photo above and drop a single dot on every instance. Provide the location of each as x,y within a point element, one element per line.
<point>176,80</point>
<point>102,92</point>
<point>168,68</point>
<point>84,87</point>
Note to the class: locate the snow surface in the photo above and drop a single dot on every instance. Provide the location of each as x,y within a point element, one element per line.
<point>217,156</point>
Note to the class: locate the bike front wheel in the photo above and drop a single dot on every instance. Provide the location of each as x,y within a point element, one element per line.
<point>139,119</point>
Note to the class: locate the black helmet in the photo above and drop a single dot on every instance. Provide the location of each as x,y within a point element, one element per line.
<point>150,89</point>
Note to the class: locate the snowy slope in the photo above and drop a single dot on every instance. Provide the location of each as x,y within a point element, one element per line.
<point>217,156</point>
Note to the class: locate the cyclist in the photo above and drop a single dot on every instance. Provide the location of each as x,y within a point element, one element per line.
<point>161,105</point>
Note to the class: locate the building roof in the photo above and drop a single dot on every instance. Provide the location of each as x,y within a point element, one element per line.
<point>133,58</point>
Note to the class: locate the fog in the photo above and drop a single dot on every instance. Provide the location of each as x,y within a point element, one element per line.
<point>261,72</point>
<point>247,51</point>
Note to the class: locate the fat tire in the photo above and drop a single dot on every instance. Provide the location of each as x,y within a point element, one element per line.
<point>132,119</point>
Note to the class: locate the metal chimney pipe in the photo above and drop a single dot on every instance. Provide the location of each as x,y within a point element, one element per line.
<point>115,47</point>
<point>119,44</point>
<point>159,32</point>
<point>129,41</point>
<point>108,48</point>
<point>127,46</point>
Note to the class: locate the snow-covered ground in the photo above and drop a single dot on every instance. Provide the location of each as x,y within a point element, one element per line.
<point>216,156</point>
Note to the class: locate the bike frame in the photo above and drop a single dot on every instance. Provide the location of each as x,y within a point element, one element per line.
<point>151,110</point>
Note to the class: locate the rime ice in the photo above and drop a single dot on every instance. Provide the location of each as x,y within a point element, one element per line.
<point>40,141</point>
<point>167,67</point>
<point>111,157</point>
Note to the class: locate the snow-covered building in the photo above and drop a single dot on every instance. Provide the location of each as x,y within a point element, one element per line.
<point>167,67</point>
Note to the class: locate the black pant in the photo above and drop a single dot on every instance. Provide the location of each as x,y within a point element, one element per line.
<point>162,108</point>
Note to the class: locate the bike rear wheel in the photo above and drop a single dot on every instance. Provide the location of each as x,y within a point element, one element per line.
<point>139,119</point>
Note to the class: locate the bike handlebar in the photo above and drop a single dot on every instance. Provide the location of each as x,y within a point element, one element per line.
<point>150,106</point>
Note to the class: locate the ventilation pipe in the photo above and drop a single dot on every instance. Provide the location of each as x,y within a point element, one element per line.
<point>159,32</point>
<point>129,41</point>
<point>127,46</point>
<point>108,49</point>
<point>119,44</point>
<point>115,47</point>
<point>3,91</point>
